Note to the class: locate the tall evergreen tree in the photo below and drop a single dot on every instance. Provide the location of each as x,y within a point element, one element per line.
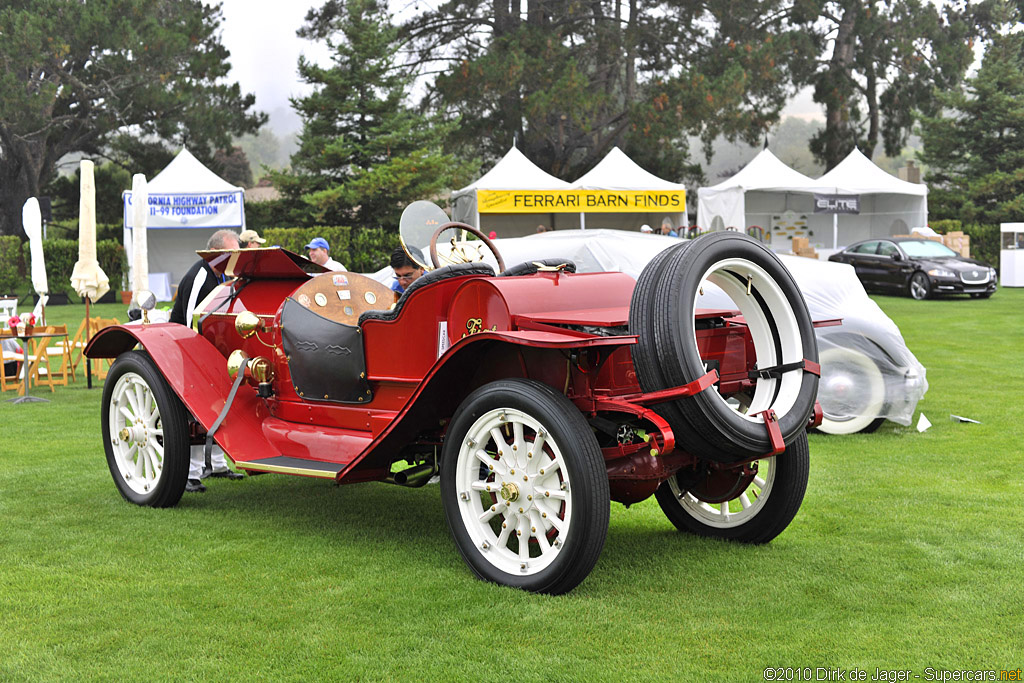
<point>887,60</point>
<point>567,80</point>
<point>363,153</point>
<point>128,79</point>
<point>974,149</point>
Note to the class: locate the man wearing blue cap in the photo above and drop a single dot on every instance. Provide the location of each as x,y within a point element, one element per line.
<point>320,254</point>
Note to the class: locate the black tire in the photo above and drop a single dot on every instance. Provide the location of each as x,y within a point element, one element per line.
<point>873,427</point>
<point>135,372</point>
<point>919,287</point>
<point>785,483</point>
<point>641,322</point>
<point>556,559</point>
<point>661,314</point>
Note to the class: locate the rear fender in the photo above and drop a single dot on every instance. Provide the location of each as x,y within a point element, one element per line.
<point>197,372</point>
<point>470,363</point>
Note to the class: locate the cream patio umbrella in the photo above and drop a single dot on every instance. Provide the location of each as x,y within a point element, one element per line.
<point>140,246</point>
<point>32,221</point>
<point>88,279</point>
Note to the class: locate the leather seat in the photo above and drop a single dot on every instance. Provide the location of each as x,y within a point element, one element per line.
<point>428,278</point>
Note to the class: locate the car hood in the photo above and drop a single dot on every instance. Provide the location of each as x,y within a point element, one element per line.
<point>955,264</point>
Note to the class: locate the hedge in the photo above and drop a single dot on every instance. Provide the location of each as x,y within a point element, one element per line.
<point>12,268</point>
<point>61,255</point>
<point>363,250</point>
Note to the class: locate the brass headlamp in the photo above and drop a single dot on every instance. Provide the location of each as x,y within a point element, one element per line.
<point>257,369</point>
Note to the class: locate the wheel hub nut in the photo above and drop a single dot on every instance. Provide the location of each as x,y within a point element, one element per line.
<point>510,492</point>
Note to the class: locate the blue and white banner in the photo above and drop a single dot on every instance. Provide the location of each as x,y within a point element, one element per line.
<point>191,210</point>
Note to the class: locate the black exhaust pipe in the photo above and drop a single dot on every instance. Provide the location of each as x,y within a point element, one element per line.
<point>414,477</point>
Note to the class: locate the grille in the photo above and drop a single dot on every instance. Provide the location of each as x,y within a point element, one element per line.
<point>977,276</point>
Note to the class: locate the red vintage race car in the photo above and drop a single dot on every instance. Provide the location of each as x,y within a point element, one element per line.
<point>536,394</point>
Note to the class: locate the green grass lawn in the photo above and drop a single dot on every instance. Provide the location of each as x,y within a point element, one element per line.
<point>906,554</point>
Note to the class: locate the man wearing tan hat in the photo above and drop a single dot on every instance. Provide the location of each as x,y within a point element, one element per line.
<point>251,239</point>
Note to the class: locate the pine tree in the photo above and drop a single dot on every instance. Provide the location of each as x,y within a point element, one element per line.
<point>132,80</point>
<point>887,61</point>
<point>363,153</point>
<point>566,80</point>
<point>974,151</point>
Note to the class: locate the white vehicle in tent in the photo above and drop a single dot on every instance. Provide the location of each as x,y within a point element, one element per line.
<point>868,374</point>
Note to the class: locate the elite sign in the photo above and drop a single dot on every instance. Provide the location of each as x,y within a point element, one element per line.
<point>837,203</point>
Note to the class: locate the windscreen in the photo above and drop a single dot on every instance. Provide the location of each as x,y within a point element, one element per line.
<point>926,249</point>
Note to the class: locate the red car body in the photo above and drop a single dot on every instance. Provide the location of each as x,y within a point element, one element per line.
<point>565,330</point>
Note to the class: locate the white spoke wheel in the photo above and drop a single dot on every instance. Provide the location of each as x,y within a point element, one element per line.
<point>145,432</point>
<point>524,487</point>
<point>851,392</point>
<point>731,505</point>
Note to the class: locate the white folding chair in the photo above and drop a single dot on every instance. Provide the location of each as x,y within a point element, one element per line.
<point>8,308</point>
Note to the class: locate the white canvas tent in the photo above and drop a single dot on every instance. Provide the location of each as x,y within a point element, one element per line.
<point>618,173</point>
<point>762,190</point>
<point>515,196</point>
<point>888,205</point>
<point>187,203</point>
<point>513,172</point>
<point>771,195</point>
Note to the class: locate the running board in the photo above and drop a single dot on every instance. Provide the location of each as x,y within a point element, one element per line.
<point>283,464</point>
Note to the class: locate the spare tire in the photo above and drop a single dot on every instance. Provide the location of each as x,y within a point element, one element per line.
<point>662,314</point>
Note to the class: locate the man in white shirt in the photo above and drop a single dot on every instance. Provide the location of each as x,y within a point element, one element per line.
<point>320,254</point>
<point>195,286</point>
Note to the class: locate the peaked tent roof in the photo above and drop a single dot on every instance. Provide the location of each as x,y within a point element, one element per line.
<point>514,172</point>
<point>856,174</point>
<point>186,174</point>
<point>618,172</point>
<point>766,172</point>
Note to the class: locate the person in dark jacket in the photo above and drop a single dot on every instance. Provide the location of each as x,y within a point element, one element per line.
<point>200,279</point>
<point>195,286</point>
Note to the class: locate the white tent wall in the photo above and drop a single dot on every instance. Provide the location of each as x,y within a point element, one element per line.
<point>187,203</point>
<point>172,251</point>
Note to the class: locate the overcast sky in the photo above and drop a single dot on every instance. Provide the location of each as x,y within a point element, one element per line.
<point>260,34</point>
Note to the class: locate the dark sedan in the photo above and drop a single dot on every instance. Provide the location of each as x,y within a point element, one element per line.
<point>919,267</point>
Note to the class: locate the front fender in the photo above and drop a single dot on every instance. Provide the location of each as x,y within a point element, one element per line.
<point>197,372</point>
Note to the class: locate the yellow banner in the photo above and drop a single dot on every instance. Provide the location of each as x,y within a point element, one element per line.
<point>576,201</point>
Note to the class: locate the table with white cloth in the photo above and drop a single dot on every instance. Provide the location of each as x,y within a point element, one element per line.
<point>27,363</point>
<point>160,285</point>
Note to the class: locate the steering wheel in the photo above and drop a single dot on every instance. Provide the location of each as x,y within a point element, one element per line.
<point>460,253</point>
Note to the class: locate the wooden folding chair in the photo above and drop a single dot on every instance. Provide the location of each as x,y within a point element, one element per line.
<point>78,344</point>
<point>37,359</point>
<point>61,350</point>
<point>102,365</point>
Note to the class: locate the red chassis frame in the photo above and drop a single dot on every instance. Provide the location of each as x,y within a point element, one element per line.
<point>538,326</point>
